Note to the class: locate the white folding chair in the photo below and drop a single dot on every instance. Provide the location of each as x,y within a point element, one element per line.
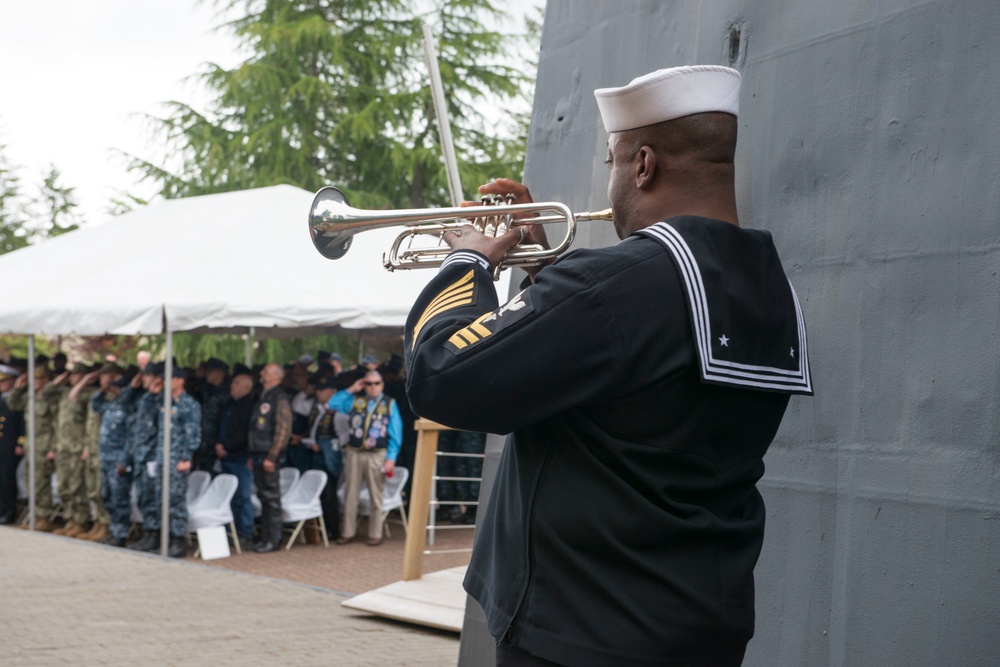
<point>258,509</point>
<point>392,499</point>
<point>214,507</point>
<point>198,481</point>
<point>289,477</point>
<point>302,504</point>
<point>22,487</point>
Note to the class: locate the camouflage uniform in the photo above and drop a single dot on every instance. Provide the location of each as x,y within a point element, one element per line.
<point>46,410</point>
<point>116,415</point>
<point>185,437</point>
<point>70,427</point>
<point>143,445</point>
<point>92,466</point>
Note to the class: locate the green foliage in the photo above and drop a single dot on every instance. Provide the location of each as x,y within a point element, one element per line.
<point>58,204</point>
<point>14,230</point>
<point>337,92</point>
<point>17,346</point>
<point>192,349</point>
<point>20,222</point>
<point>123,202</point>
<point>96,348</point>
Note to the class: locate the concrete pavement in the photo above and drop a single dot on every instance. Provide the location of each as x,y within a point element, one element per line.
<point>71,602</point>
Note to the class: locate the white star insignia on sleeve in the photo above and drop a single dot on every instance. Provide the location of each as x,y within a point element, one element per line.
<point>792,353</point>
<point>723,341</point>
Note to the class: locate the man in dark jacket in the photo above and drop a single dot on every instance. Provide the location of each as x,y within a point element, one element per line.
<point>11,447</point>
<point>641,385</point>
<point>212,393</point>
<point>270,428</point>
<point>232,436</point>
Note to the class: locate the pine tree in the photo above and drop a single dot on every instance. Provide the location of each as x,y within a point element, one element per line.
<point>14,230</point>
<point>337,93</point>
<point>58,204</point>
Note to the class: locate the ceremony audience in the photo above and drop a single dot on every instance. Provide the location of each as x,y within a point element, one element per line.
<point>99,429</point>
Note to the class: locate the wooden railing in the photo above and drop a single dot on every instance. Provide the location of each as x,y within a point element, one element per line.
<point>420,497</point>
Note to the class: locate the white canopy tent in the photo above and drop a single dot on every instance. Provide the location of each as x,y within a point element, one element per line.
<point>222,262</point>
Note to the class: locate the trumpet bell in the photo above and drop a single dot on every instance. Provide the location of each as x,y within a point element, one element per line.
<point>330,208</point>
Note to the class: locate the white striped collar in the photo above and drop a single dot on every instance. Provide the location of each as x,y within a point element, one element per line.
<point>770,378</point>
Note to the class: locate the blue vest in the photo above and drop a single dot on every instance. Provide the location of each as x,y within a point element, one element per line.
<point>370,429</point>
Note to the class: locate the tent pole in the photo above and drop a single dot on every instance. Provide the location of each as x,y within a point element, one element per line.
<point>31,432</point>
<point>361,346</point>
<point>249,354</point>
<point>168,373</point>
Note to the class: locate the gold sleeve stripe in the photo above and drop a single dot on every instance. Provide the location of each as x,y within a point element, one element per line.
<point>457,299</point>
<point>457,294</point>
<point>457,341</point>
<point>468,336</point>
<point>450,289</point>
<point>478,327</point>
<point>465,337</point>
<point>461,287</point>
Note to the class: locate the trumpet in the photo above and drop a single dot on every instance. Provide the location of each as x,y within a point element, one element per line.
<point>333,222</point>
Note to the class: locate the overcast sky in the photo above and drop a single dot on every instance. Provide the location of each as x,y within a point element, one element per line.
<point>76,74</point>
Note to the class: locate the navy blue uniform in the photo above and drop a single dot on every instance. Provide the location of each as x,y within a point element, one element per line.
<point>641,385</point>
<point>116,457</point>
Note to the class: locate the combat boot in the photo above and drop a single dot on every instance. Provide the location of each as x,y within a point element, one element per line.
<point>177,547</point>
<point>42,525</point>
<point>149,542</point>
<point>113,541</point>
<point>67,527</point>
<point>86,534</point>
<point>96,534</point>
<point>73,529</point>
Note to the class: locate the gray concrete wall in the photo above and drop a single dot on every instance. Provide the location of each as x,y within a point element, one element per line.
<point>869,135</point>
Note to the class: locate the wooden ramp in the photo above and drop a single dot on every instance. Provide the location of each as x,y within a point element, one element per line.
<point>435,600</point>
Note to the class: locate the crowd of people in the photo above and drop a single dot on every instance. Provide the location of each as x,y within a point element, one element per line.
<point>99,432</point>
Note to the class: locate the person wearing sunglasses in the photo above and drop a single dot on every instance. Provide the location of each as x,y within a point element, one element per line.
<point>376,433</point>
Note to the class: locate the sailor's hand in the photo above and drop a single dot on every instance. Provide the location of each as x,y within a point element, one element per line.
<point>517,193</point>
<point>504,187</point>
<point>494,248</point>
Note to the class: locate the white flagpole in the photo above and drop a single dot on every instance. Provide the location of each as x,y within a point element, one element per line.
<point>444,124</point>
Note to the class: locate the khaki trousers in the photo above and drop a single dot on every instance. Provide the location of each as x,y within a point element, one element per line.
<point>363,466</point>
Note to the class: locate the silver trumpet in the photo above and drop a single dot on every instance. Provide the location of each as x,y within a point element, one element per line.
<point>333,222</point>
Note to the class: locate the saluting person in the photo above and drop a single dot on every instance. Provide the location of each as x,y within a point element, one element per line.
<point>11,446</point>
<point>46,412</point>
<point>115,403</point>
<point>70,426</point>
<point>376,434</point>
<point>144,437</point>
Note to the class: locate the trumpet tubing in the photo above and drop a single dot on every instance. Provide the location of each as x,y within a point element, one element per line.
<point>333,222</point>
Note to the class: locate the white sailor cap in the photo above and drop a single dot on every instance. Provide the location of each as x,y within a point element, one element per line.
<point>8,372</point>
<point>669,93</point>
